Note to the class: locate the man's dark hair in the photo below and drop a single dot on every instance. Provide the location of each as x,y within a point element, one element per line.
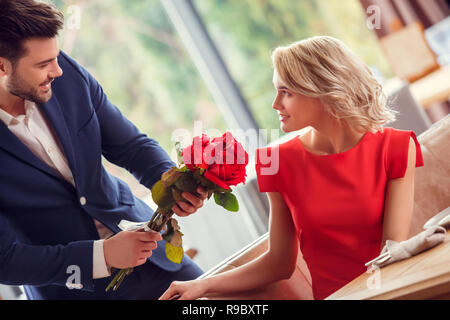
<point>21,20</point>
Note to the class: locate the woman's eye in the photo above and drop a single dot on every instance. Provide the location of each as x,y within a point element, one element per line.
<point>287,94</point>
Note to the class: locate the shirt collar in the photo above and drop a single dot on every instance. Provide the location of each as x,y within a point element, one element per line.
<point>8,119</point>
<point>5,117</point>
<point>30,107</point>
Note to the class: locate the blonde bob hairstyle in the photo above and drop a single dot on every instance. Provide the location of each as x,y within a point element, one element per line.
<point>323,67</point>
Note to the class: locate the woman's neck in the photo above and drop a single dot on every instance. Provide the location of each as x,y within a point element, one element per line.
<point>337,137</point>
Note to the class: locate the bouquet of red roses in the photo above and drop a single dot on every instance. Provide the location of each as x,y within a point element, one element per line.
<point>213,164</point>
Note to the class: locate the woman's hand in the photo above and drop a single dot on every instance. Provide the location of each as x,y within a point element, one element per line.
<point>185,290</point>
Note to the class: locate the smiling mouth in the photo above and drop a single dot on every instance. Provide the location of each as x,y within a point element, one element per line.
<point>46,86</point>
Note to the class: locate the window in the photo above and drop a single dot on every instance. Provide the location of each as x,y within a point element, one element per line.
<point>131,48</point>
<point>246,32</point>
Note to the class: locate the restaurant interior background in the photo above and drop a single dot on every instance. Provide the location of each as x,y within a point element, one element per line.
<point>169,64</point>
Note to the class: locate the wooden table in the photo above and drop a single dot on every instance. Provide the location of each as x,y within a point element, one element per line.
<point>432,88</point>
<point>424,276</point>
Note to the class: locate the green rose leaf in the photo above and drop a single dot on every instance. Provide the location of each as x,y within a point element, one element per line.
<point>184,169</point>
<point>177,240</point>
<point>187,182</point>
<point>162,196</point>
<point>168,236</point>
<point>172,233</point>
<point>168,178</point>
<point>221,190</point>
<point>173,253</point>
<point>209,185</point>
<point>227,200</point>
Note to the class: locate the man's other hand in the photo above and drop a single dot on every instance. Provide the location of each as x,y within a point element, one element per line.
<point>128,249</point>
<point>191,204</point>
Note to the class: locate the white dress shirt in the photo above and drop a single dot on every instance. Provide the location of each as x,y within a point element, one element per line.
<point>35,132</point>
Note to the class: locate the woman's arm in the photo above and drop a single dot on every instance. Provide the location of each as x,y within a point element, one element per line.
<point>277,263</point>
<point>399,202</point>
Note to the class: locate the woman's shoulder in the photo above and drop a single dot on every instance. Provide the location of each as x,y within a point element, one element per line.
<point>393,137</point>
<point>389,132</point>
<point>397,143</point>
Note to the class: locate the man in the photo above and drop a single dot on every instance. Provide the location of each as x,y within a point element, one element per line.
<point>59,208</point>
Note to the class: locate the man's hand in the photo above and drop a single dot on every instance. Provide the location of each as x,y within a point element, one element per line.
<point>192,203</point>
<point>129,249</point>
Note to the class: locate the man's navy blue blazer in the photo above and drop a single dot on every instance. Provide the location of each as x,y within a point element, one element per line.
<point>44,227</point>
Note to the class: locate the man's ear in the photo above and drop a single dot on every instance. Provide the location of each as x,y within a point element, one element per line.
<point>5,67</point>
<point>2,66</point>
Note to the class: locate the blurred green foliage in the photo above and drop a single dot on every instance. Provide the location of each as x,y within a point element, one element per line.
<point>136,55</point>
<point>133,51</point>
<point>246,33</point>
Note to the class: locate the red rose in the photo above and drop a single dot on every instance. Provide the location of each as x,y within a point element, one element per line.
<point>193,155</point>
<point>223,158</point>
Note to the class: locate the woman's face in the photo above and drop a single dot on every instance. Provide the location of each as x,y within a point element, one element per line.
<point>295,110</point>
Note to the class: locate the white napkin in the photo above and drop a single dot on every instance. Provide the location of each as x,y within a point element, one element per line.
<point>126,225</point>
<point>395,251</point>
<point>441,219</point>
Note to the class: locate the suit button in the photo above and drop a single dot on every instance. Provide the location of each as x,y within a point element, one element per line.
<point>82,201</point>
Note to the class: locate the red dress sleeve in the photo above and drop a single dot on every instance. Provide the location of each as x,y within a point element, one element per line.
<point>267,165</point>
<point>397,154</point>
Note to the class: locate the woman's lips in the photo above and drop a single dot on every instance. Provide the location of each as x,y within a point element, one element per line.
<point>283,118</point>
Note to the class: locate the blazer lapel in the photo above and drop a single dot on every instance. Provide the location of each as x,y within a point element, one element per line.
<point>53,111</point>
<point>13,145</point>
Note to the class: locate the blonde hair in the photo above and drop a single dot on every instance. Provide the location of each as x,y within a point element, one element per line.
<point>323,67</point>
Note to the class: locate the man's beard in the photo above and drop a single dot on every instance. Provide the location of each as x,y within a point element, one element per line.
<point>18,87</point>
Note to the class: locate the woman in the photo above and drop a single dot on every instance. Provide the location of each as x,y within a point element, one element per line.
<point>343,187</point>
